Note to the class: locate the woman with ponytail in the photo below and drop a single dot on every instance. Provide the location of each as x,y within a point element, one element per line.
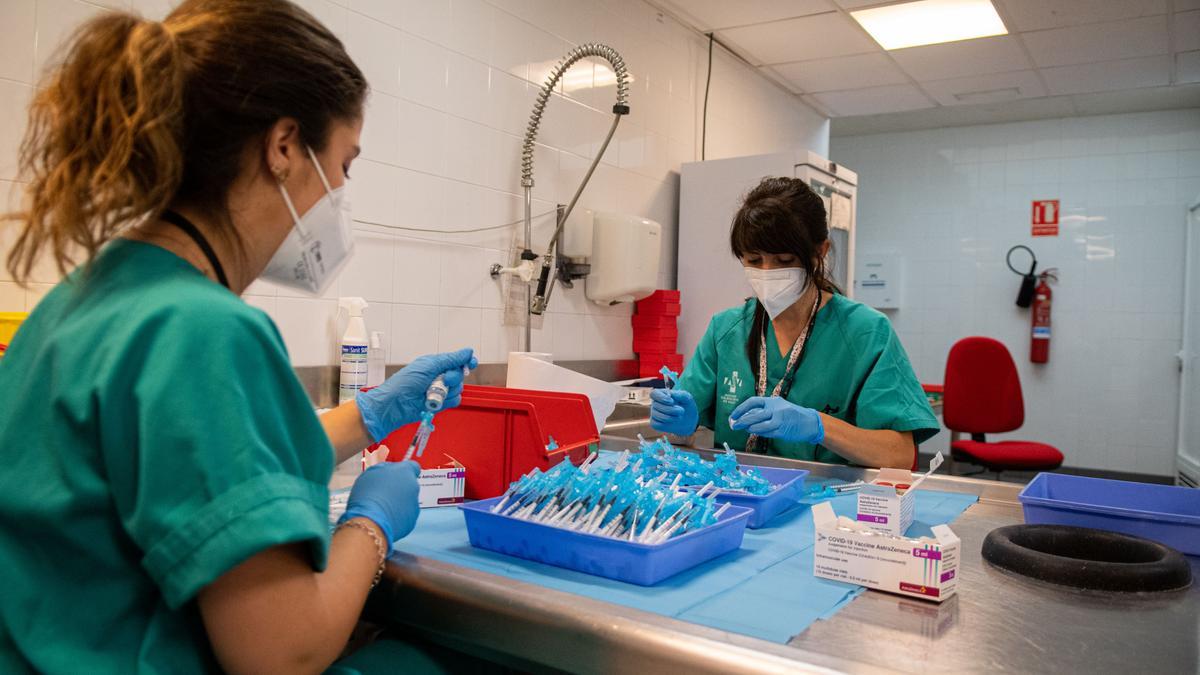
<point>799,370</point>
<point>163,503</point>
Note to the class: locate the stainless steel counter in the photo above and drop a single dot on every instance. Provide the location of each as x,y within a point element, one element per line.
<point>997,622</point>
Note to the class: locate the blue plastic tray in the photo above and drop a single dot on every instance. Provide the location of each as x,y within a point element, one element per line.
<point>789,488</point>
<point>1164,513</point>
<point>635,563</point>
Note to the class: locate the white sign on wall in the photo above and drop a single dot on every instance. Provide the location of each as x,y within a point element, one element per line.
<point>879,280</point>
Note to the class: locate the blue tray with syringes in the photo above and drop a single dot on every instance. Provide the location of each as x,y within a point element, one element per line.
<point>787,487</point>
<point>632,562</point>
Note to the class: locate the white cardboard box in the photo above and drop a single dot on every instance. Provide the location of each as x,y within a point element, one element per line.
<point>883,507</point>
<point>443,486</point>
<point>920,568</point>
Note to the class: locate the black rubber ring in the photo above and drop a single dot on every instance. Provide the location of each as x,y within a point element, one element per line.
<point>1081,557</point>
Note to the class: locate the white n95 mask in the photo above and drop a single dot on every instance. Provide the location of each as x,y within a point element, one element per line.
<point>319,244</point>
<point>777,289</point>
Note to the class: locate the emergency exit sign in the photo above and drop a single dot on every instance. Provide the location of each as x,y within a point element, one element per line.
<point>1045,218</point>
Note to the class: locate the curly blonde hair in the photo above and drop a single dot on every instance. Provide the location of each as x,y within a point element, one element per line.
<point>140,114</point>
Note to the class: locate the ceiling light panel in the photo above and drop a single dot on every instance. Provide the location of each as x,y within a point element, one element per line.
<point>929,22</point>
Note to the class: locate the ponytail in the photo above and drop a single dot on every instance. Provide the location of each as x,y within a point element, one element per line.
<point>142,115</point>
<point>104,145</point>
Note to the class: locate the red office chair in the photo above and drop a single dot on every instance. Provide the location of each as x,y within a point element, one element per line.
<point>983,396</point>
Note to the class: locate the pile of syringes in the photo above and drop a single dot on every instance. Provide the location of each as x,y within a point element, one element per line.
<point>724,472</point>
<point>624,501</point>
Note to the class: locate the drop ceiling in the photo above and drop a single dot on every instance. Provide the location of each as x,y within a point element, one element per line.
<point>1061,57</point>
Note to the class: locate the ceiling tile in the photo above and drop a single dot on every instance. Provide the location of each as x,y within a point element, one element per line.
<point>1109,76</point>
<point>714,14</point>
<point>859,4</point>
<point>844,72</point>
<point>1185,28</point>
<point>1136,100</point>
<point>1184,5</point>
<point>810,37</point>
<point>873,101</point>
<point>956,116</point>
<point>993,88</point>
<point>1187,67</point>
<point>1098,42</point>
<point>1028,15</point>
<point>959,59</point>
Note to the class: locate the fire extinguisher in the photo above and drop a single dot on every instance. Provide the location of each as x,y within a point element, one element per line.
<point>1039,344</point>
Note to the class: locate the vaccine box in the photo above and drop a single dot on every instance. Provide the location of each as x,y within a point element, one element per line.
<point>443,486</point>
<point>925,568</point>
<point>886,504</point>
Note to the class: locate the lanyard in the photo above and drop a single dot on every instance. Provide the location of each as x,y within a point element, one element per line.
<point>789,374</point>
<point>192,231</point>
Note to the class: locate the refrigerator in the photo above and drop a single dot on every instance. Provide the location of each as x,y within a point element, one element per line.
<point>710,279</point>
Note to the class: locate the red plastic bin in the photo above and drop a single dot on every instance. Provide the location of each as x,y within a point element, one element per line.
<point>671,309</point>
<point>654,322</point>
<point>650,346</point>
<point>499,434</point>
<point>671,333</point>
<point>660,303</point>
<point>649,364</point>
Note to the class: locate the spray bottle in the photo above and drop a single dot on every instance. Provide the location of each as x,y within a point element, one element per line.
<point>354,349</point>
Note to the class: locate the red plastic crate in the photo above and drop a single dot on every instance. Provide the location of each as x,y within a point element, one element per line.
<point>499,434</point>
<point>651,346</point>
<point>649,364</point>
<point>668,333</point>
<point>664,310</point>
<point>662,295</point>
<point>653,322</point>
<point>660,303</point>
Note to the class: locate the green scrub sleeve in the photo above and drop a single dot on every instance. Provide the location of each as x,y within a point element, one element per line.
<point>699,378</point>
<point>891,396</point>
<point>226,457</point>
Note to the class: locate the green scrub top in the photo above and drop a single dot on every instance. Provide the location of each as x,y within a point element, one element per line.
<point>153,435</point>
<point>853,368</point>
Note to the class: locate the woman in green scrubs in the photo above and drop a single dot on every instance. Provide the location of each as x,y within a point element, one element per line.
<point>163,502</point>
<point>800,370</point>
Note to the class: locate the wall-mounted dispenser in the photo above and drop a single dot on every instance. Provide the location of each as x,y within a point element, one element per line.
<point>619,254</point>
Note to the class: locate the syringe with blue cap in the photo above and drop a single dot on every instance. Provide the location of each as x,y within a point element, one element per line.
<point>435,398</point>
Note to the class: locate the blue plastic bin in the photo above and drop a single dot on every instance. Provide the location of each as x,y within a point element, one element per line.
<point>789,488</point>
<point>1164,513</point>
<point>635,563</point>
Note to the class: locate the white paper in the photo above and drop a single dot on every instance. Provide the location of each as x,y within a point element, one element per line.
<point>525,372</point>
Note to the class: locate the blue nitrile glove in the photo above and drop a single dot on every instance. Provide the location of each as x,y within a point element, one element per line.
<point>400,399</point>
<point>773,417</point>
<point>673,411</point>
<point>386,494</point>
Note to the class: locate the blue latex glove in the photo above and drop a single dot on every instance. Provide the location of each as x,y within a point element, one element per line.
<point>386,494</point>
<point>400,399</point>
<point>673,411</point>
<point>774,417</point>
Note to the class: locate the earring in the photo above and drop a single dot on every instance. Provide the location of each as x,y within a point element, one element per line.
<point>280,174</point>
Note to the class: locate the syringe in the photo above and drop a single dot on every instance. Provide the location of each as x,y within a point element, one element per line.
<point>421,438</point>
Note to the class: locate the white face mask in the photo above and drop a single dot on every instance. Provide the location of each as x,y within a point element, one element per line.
<point>319,244</point>
<point>777,289</point>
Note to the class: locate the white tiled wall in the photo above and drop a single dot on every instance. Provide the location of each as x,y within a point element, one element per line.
<point>951,203</point>
<point>454,81</point>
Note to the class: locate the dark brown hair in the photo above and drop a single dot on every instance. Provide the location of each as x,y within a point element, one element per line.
<point>781,216</point>
<point>142,114</point>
